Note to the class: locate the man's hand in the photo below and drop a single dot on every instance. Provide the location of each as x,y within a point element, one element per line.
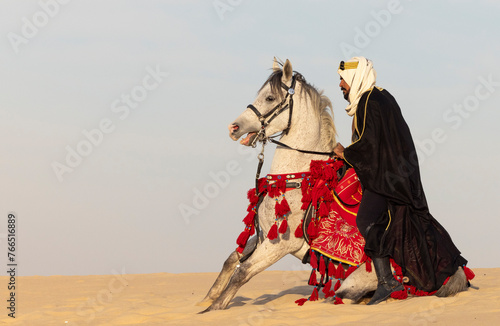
<point>339,150</point>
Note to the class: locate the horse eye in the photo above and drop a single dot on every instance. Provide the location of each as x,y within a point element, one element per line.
<point>270,98</point>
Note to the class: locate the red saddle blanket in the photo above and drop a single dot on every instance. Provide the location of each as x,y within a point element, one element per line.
<point>338,237</point>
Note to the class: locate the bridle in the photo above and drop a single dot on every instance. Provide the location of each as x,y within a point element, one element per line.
<point>274,112</point>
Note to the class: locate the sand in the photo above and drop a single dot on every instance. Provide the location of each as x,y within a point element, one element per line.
<point>268,299</point>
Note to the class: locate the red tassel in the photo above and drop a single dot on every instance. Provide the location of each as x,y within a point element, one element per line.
<point>283,226</point>
<point>312,279</point>
<point>331,269</point>
<point>469,273</point>
<point>312,230</point>
<point>240,249</point>
<point>273,232</point>
<point>301,302</point>
<point>368,265</point>
<point>339,274</point>
<point>329,294</point>
<point>337,285</point>
<point>252,197</point>
<point>314,295</point>
<point>273,192</point>
<point>284,205</point>
<point>249,218</point>
<point>299,233</point>
<point>400,295</point>
<point>322,266</point>
<point>323,210</point>
<point>314,259</point>
<point>328,287</point>
<point>338,301</point>
<point>349,271</point>
<point>243,238</point>
<point>328,173</point>
<point>281,185</point>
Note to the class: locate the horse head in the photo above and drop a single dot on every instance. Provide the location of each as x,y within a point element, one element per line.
<point>263,117</point>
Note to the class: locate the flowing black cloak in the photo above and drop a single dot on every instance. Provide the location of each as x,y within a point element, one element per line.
<point>384,157</point>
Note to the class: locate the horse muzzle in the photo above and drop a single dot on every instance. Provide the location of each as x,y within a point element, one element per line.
<point>235,132</point>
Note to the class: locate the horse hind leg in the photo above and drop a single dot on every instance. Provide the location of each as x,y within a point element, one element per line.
<point>457,283</point>
<point>357,285</point>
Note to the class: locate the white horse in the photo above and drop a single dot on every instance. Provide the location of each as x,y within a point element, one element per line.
<point>309,127</point>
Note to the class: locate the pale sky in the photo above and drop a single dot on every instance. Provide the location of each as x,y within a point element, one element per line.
<point>114,114</point>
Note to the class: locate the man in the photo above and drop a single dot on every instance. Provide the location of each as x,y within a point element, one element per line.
<point>393,216</point>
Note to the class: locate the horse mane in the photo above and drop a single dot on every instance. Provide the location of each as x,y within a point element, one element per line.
<point>320,102</point>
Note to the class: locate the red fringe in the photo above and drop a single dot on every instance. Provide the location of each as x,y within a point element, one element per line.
<point>314,295</point>
<point>273,192</point>
<point>314,259</point>
<point>273,232</point>
<point>284,206</point>
<point>301,302</point>
<point>281,185</point>
<point>331,269</point>
<point>368,265</point>
<point>312,279</point>
<point>299,233</point>
<point>312,230</point>
<point>327,287</point>
<point>252,196</point>
<point>322,266</point>
<point>349,271</point>
<point>400,295</point>
<point>323,209</point>
<point>283,226</point>
<point>329,294</point>
<point>249,218</point>
<point>469,273</point>
<point>243,238</point>
<point>240,249</point>
<point>338,301</point>
<point>337,285</point>
<point>339,274</point>
<point>328,173</point>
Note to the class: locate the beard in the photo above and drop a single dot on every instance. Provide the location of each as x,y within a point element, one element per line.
<point>346,94</point>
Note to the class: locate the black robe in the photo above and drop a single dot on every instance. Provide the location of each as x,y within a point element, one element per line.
<point>384,157</point>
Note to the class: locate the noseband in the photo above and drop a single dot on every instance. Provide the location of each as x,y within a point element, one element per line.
<point>277,110</point>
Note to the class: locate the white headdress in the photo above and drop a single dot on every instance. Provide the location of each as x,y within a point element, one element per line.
<point>359,74</point>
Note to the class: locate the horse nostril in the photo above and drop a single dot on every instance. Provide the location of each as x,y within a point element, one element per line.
<point>233,128</point>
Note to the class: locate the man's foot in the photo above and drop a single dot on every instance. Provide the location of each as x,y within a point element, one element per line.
<point>387,284</point>
<point>384,291</point>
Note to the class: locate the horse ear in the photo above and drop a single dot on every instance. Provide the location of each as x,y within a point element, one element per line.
<point>276,65</point>
<point>287,71</point>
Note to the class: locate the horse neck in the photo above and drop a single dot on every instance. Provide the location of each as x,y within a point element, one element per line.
<point>305,133</point>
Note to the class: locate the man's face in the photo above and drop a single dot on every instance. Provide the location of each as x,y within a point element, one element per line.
<point>344,88</point>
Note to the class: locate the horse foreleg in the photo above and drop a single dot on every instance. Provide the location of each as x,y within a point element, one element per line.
<point>225,274</point>
<point>264,256</point>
